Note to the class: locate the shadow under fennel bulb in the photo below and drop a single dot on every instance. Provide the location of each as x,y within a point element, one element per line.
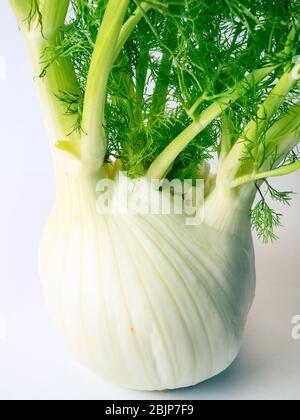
<point>145,300</point>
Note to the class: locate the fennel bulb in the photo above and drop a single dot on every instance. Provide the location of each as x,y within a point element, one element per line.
<point>146,300</point>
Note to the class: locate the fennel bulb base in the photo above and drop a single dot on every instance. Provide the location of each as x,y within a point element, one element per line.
<point>145,301</point>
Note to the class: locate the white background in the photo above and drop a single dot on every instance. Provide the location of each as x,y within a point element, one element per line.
<point>33,362</point>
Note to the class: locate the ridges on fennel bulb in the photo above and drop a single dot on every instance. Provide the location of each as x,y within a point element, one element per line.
<point>145,300</point>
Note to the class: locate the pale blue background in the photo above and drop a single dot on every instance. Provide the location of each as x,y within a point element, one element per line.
<point>33,362</point>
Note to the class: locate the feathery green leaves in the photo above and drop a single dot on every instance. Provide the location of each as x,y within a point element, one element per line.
<point>180,58</point>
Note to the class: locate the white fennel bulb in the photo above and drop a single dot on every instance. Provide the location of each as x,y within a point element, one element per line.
<point>145,301</point>
<point>148,300</point>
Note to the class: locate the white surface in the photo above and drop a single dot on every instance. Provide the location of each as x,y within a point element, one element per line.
<point>33,362</point>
